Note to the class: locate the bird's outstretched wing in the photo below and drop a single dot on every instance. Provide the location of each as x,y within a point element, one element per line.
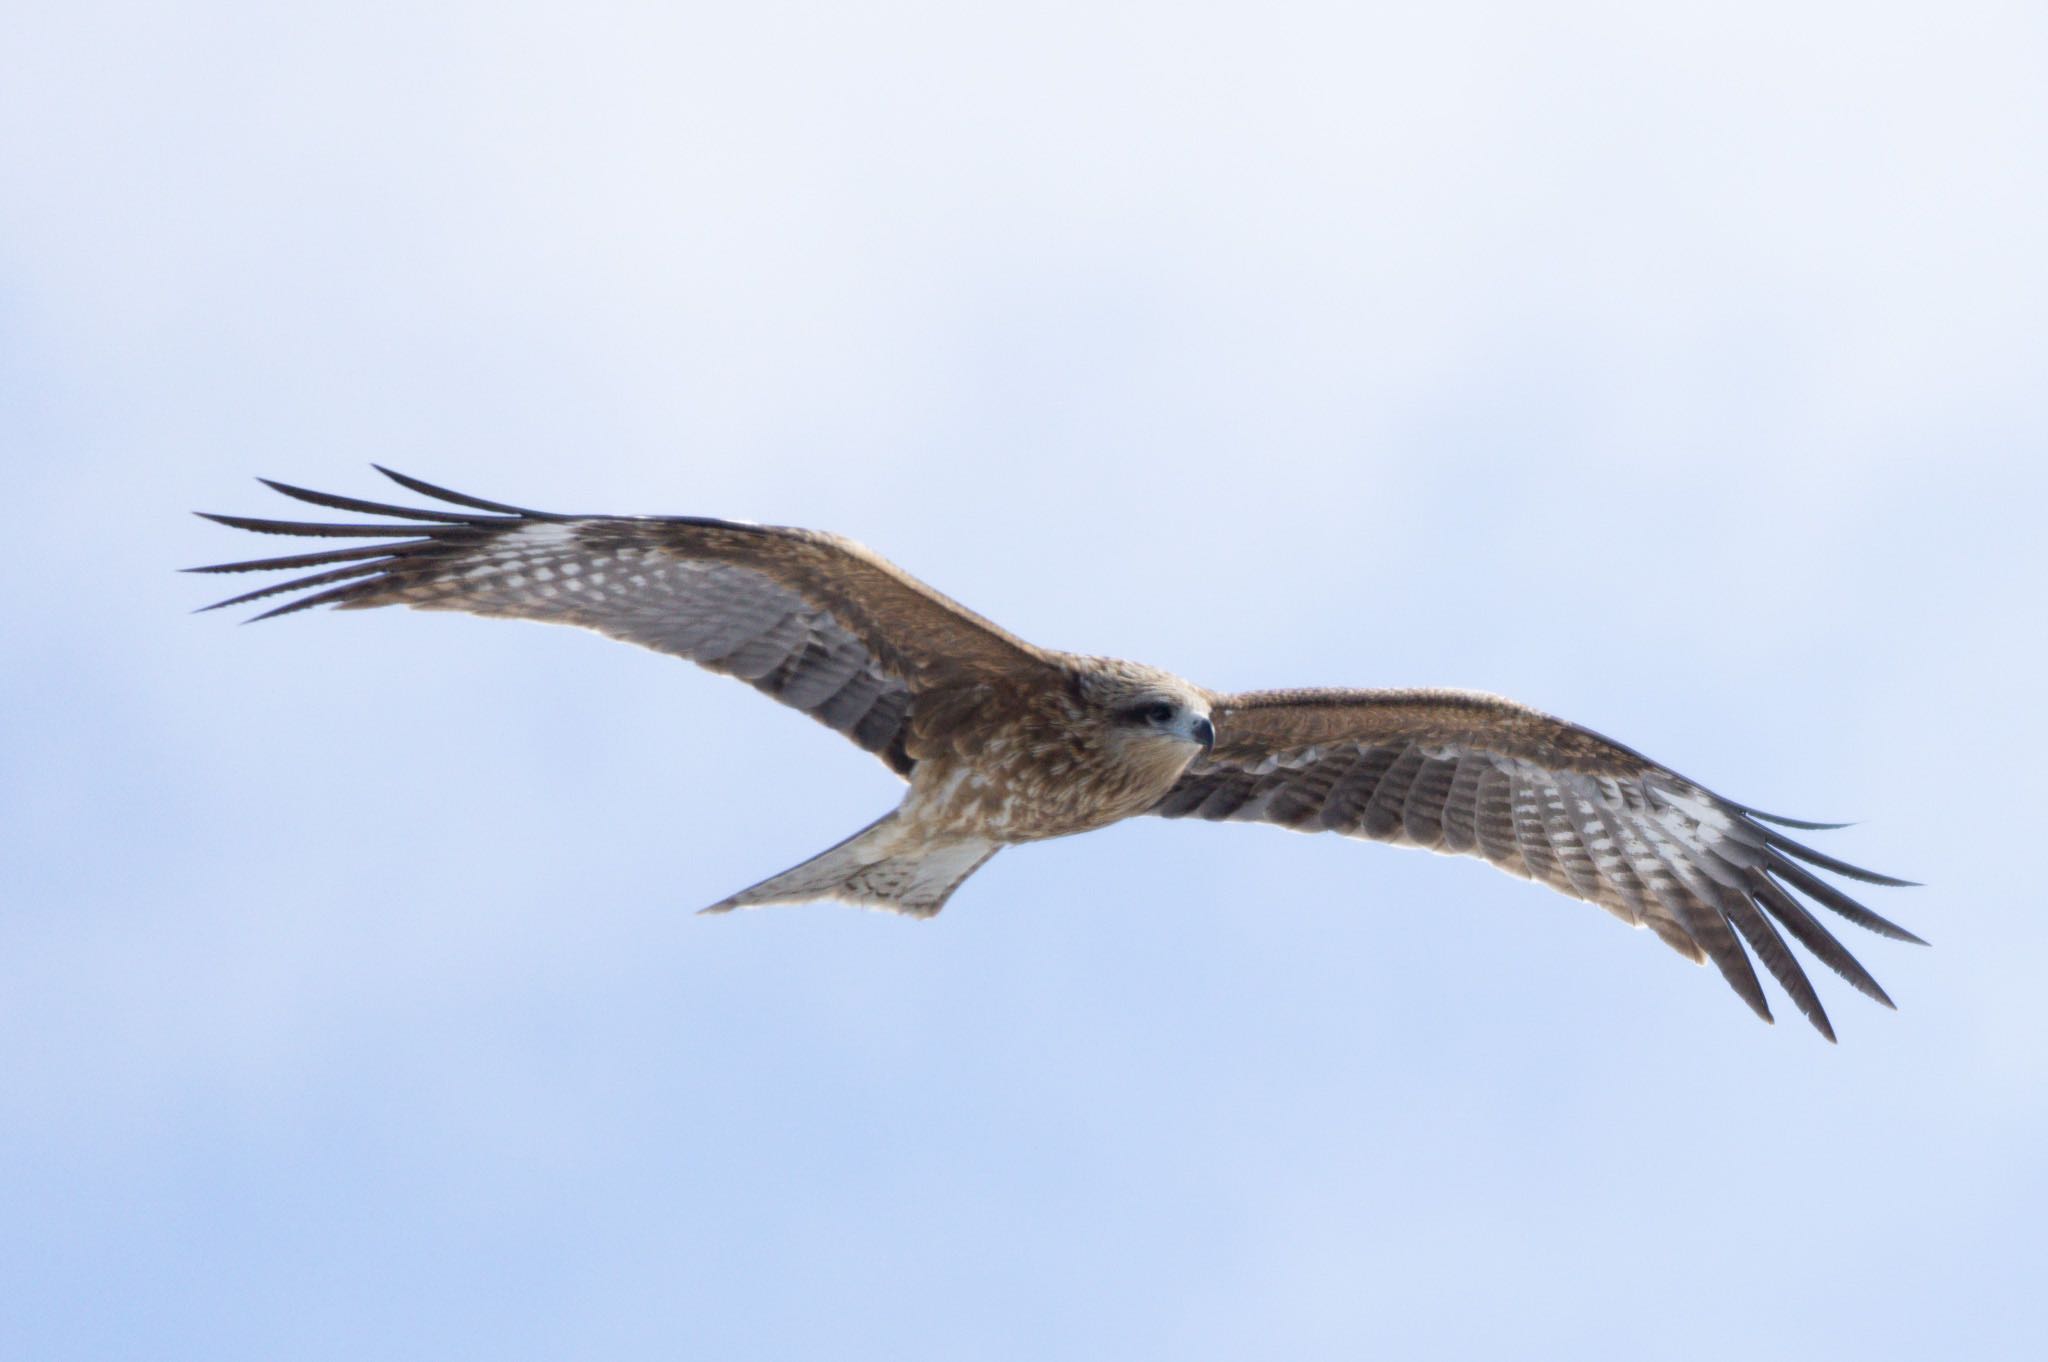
<point>814,620</point>
<point>1463,773</point>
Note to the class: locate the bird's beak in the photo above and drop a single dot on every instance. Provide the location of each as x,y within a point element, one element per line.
<point>1203,732</point>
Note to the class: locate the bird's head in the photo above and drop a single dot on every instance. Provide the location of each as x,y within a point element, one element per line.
<point>1145,708</point>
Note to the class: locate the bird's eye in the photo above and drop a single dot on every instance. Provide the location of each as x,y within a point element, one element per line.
<point>1158,712</point>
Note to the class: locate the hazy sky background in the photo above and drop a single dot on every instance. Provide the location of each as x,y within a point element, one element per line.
<point>1680,372</point>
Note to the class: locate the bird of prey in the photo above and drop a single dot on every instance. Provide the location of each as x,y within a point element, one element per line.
<point>1002,742</point>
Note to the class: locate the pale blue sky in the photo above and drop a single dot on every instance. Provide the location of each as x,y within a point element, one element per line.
<point>1681,375</point>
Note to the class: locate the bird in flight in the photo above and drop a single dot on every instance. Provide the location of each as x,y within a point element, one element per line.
<point>1003,742</point>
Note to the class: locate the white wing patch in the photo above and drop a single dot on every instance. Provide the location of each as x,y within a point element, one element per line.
<point>721,615</point>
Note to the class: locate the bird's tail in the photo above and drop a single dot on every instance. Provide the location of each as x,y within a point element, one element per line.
<point>881,866</point>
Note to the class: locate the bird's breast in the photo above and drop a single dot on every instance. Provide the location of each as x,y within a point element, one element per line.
<point>1020,785</point>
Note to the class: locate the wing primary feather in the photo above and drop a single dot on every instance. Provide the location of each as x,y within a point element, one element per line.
<point>327,597</point>
<point>428,489</point>
<point>1707,925</point>
<point>1809,932</point>
<point>1825,862</point>
<point>318,530</point>
<point>1770,948</point>
<point>1818,889</point>
<point>336,502</point>
<point>299,560</point>
<point>298,583</point>
<point>1694,899</point>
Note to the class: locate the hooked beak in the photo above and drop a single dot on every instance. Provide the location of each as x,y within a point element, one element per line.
<point>1203,732</point>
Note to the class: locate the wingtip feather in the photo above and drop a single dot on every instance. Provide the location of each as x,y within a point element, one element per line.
<point>288,608</point>
<point>428,489</point>
<point>335,502</point>
<point>1839,867</point>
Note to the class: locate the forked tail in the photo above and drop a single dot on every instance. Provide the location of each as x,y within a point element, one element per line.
<point>881,866</point>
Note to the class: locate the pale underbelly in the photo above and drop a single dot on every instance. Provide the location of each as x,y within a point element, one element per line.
<point>1023,803</point>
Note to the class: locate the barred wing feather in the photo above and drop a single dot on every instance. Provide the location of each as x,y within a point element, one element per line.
<point>1468,774</point>
<point>809,618</point>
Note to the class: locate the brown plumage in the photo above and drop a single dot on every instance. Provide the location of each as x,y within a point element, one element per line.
<point>1003,742</point>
